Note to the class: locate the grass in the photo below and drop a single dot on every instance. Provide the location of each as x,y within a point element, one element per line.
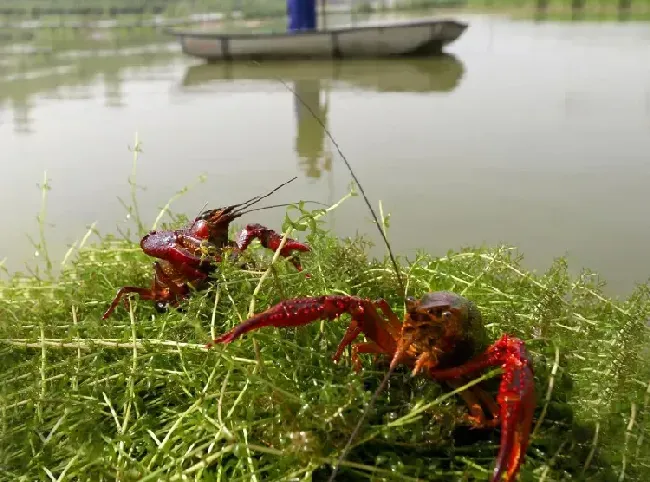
<point>138,397</point>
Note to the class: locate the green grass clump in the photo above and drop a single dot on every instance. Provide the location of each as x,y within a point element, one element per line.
<point>137,397</point>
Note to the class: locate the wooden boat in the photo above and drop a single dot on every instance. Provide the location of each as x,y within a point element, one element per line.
<point>414,38</point>
<point>439,74</point>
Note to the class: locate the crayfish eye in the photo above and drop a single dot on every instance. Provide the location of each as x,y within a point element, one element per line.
<point>201,229</point>
<point>411,303</point>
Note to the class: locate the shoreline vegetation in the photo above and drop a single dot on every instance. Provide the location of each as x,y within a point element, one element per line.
<point>118,15</point>
<point>138,397</point>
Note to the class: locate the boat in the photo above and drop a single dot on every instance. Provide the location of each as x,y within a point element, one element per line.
<point>439,74</point>
<point>373,40</point>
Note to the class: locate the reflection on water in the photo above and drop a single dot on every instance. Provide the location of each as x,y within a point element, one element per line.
<point>535,134</point>
<point>312,82</point>
<point>311,119</point>
<point>70,76</point>
<point>438,74</point>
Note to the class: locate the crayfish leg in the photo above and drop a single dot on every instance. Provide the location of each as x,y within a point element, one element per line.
<point>381,331</point>
<point>368,347</point>
<point>394,324</point>
<point>351,334</point>
<point>488,402</point>
<point>163,281</point>
<point>476,398</point>
<point>163,289</point>
<point>144,293</point>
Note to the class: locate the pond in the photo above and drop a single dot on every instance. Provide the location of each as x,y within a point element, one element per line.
<point>536,134</point>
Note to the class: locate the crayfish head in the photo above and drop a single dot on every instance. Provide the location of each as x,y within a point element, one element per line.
<point>430,327</point>
<point>213,224</point>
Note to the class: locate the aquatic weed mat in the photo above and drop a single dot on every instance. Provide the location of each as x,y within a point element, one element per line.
<point>138,397</point>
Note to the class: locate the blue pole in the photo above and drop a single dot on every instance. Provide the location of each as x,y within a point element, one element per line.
<point>309,15</point>
<point>294,15</point>
<point>301,15</point>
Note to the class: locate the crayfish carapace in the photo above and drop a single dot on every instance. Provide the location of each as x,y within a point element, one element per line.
<point>187,256</point>
<point>443,335</point>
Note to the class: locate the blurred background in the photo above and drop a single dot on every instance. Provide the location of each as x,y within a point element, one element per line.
<point>533,129</point>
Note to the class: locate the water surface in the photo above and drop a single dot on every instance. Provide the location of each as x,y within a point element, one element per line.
<point>534,134</point>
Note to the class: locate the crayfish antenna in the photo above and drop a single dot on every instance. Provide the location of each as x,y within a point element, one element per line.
<point>237,210</point>
<point>256,199</point>
<point>273,206</point>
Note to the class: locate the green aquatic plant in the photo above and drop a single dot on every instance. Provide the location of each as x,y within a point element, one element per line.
<point>138,397</point>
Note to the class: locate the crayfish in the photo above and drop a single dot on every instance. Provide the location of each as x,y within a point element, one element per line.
<point>187,256</point>
<point>442,335</point>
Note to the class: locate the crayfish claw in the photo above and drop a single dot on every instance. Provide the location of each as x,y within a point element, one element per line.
<point>292,313</point>
<point>517,409</point>
<point>516,399</point>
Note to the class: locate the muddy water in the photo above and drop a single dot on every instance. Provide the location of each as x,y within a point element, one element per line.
<point>535,134</point>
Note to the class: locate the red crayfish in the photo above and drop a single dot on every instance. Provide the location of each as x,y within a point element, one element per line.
<point>443,335</point>
<point>187,256</point>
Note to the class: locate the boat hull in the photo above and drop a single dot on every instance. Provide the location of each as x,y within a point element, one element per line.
<point>423,38</point>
